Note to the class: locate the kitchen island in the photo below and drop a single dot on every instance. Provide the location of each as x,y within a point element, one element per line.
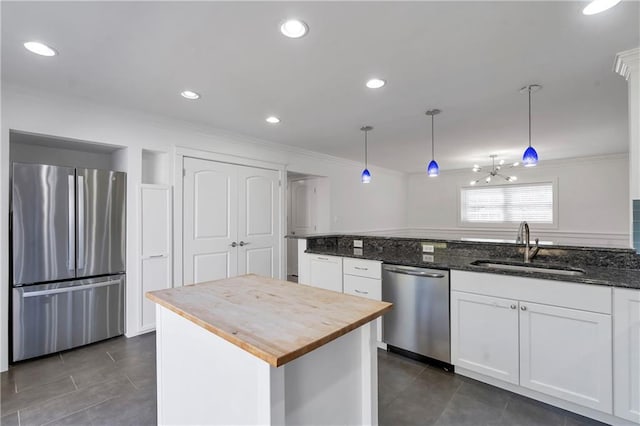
<point>254,350</point>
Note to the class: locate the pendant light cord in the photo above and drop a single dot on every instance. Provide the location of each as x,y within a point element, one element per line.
<point>366,165</point>
<point>432,147</point>
<point>529,116</point>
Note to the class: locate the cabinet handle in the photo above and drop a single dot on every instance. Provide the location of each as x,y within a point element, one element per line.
<point>155,256</point>
<point>323,258</point>
<point>234,244</point>
<point>524,308</point>
<point>361,292</point>
<point>242,244</point>
<point>360,269</point>
<point>513,306</point>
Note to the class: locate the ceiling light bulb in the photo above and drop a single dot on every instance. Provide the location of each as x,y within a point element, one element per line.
<point>513,178</point>
<point>597,6</point>
<point>272,120</point>
<point>375,83</point>
<point>294,28</point>
<point>516,164</point>
<point>191,95</point>
<point>40,48</point>
<point>488,179</point>
<point>473,182</point>
<point>501,162</point>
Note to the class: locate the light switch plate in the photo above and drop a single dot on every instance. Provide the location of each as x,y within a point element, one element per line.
<point>427,258</point>
<point>357,252</point>
<point>427,248</point>
<point>357,243</point>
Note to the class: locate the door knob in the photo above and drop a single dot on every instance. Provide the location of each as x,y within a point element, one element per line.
<point>524,308</point>
<point>234,244</point>
<point>242,244</point>
<point>513,306</point>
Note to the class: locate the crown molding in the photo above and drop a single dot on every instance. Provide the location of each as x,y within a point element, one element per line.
<point>626,62</point>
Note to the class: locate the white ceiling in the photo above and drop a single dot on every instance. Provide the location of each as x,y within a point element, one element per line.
<point>467,58</point>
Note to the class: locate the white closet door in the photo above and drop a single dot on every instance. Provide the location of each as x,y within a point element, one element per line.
<point>210,218</point>
<point>258,222</point>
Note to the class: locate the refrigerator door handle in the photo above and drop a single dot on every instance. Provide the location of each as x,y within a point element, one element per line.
<point>71,243</point>
<point>69,289</point>
<point>81,220</point>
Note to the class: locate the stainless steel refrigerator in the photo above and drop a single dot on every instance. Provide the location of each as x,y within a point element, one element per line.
<point>68,257</point>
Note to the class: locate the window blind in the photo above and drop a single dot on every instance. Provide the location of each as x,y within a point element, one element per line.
<point>509,203</point>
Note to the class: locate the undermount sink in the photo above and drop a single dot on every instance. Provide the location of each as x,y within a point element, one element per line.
<point>528,267</point>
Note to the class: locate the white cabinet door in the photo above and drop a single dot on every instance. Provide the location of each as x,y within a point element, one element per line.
<point>155,249</point>
<point>258,222</point>
<point>325,272</point>
<point>210,220</point>
<point>626,353</point>
<point>364,287</point>
<point>566,353</point>
<point>484,335</point>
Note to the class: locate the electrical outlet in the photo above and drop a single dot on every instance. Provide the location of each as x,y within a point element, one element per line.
<point>427,258</point>
<point>357,243</point>
<point>427,248</point>
<point>357,252</point>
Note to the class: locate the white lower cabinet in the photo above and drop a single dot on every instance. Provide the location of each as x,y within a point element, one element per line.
<point>566,353</point>
<point>549,337</point>
<point>626,353</point>
<point>484,335</point>
<point>325,272</point>
<point>370,288</point>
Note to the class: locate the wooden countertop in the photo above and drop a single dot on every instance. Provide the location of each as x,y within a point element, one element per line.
<point>276,321</point>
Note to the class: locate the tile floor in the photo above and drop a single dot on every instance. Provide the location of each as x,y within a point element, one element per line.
<point>113,383</point>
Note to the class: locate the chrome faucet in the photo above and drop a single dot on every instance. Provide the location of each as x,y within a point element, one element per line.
<point>524,237</point>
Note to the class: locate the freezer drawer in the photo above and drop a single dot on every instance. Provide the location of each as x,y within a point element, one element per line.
<point>49,318</point>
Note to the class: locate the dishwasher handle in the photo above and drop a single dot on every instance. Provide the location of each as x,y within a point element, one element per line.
<point>415,273</point>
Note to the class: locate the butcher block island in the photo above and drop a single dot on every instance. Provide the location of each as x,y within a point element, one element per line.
<point>252,350</point>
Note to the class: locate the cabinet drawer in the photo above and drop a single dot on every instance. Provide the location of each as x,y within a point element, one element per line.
<point>363,268</point>
<point>363,287</point>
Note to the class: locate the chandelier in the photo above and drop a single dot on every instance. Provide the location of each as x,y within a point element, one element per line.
<point>495,171</point>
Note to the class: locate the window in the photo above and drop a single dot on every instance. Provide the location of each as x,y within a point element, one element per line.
<point>533,202</point>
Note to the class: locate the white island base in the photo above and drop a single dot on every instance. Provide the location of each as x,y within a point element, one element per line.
<point>203,379</point>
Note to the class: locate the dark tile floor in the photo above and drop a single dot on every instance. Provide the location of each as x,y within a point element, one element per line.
<point>412,393</point>
<point>107,383</point>
<point>113,383</point>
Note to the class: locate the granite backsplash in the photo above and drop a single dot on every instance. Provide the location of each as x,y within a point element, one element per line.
<point>575,256</point>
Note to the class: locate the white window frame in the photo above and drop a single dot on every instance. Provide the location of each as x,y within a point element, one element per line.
<point>509,225</point>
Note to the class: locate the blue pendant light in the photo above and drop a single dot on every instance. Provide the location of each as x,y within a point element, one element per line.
<point>530,156</point>
<point>433,169</point>
<point>366,175</point>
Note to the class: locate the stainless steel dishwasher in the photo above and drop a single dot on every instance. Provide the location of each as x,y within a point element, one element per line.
<point>419,321</point>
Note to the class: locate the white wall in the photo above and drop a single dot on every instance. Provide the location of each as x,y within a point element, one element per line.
<point>353,206</point>
<point>593,201</point>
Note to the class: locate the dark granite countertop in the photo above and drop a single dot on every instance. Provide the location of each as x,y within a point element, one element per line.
<point>608,276</point>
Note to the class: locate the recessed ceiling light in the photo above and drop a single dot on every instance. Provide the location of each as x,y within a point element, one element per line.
<point>375,83</point>
<point>40,48</point>
<point>294,28</point>
<point>597,6</point>
<point>272,120</point>
<point>188,94</point>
